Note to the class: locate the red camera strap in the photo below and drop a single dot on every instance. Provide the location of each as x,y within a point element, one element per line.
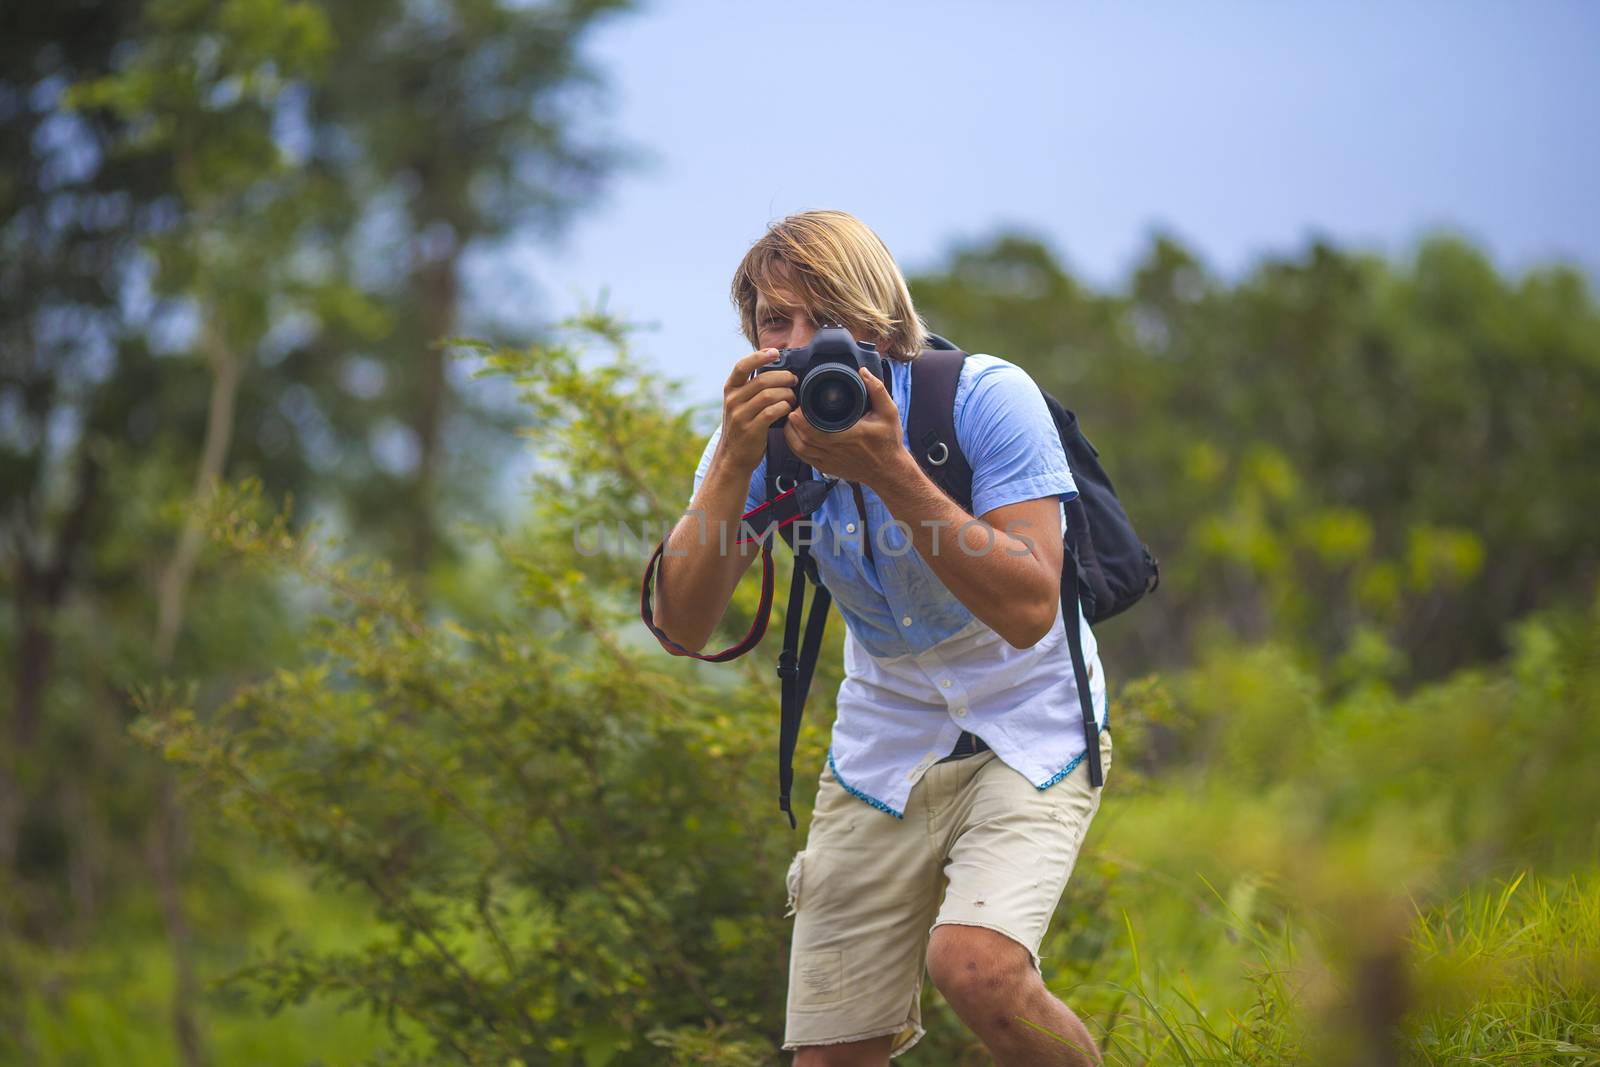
<point>757,524</point>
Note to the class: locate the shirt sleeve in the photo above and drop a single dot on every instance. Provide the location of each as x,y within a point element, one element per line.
<point>1008,436</point>
<point>758,478</point>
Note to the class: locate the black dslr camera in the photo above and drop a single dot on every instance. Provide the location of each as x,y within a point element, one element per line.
<point>831,392</point>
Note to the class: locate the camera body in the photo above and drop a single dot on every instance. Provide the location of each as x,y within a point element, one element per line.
<point>831,392</point>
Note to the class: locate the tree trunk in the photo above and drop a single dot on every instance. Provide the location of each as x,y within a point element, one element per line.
<point>168,839</point>
<point>40,589</point>
<point>174,581</point>
<point>436,289</point>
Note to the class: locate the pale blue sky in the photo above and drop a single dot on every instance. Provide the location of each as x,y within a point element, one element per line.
<point>1244,128</point>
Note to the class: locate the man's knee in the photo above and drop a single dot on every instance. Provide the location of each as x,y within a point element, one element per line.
<point>979,971</point>
<point>873,1052</point>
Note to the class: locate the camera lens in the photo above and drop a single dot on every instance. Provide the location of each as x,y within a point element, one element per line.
<point>833,397</point>
<point>831,400</point>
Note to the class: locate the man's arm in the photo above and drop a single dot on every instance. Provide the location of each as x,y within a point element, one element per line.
<point>702,564</point>
<point>1010,579</point>
<point>1005,567</point>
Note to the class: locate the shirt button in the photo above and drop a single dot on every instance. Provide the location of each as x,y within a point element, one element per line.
<point>905,620</point>
<point>944,683</point>
<point>961,713</point>
<point>849,527</point>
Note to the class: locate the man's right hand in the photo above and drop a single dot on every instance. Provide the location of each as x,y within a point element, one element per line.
<point>750,405</point>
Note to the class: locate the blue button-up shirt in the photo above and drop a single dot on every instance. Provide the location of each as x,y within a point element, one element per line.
<point>919,666</point>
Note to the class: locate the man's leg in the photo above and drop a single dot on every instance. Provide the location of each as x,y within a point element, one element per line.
<point>864,892</point>
<point>1013,849</point>
<point>991,983</point>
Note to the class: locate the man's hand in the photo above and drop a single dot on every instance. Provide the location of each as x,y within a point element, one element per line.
<point>860,453</point>
<point>749,408</point>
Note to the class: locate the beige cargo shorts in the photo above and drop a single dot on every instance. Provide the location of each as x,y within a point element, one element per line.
<point>979,846</point>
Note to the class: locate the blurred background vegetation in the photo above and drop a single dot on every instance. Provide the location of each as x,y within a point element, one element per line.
<point>313,755</point>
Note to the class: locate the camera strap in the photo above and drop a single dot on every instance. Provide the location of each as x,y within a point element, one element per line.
<point>795,672</point>
<point>798,661</point>
<point>758,524</point>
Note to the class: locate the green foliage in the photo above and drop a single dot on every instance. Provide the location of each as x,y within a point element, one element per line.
<point>1503,974</point>
<point>556,826</point>
<point>108,1002</point>
<point>1331,446</point>
<point>231,237</point>
<point>493,823</point>
<point>1288,874</point>
<point>568,852</point>
<point>1511,976</point>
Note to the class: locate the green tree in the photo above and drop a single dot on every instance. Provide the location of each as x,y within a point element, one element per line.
<point>1331,446</point>
<point>188,292</point>
<point>451,128</point>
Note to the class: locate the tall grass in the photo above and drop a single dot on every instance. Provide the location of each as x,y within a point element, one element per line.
<point>1499,975</point>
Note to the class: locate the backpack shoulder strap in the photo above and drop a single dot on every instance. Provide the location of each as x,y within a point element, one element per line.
<point>931,422</point>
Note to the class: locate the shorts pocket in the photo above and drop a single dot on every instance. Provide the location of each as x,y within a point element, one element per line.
<point>817,978</point>
<point>794,878</point>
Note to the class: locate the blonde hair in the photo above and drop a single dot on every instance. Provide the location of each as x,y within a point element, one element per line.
<point>841,271</point>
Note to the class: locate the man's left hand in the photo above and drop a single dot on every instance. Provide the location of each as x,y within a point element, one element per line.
<point>860,453</point>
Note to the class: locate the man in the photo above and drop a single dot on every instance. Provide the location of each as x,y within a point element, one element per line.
<point>955,758</point>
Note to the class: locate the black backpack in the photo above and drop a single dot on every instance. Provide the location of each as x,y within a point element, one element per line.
<point>1105,566</point>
